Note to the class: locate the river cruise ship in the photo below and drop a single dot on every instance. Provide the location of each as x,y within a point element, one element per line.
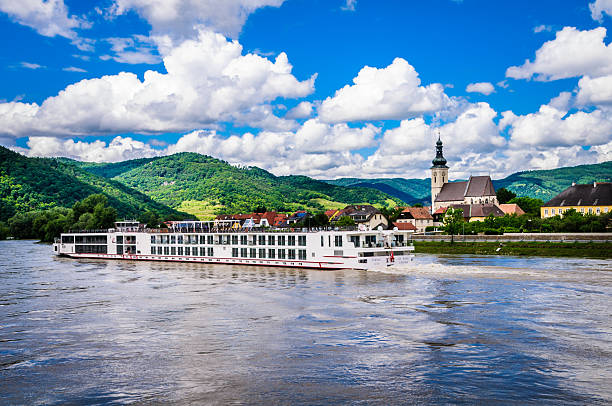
<point>225,242</point>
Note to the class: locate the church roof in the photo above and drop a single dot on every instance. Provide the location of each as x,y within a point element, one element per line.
<point>479,210</point>
<point>479,186</point>
<point>592,194</point>
<point>452,192</point>
<point>439,161</point>
<point>476,186</point>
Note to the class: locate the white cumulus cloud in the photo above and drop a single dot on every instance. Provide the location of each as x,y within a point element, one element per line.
<point>389,93</point>
<point>47,17</point>
<point>119,149</point>
<point>485,88</point>
<point>594,91</point>
<point>551,127</point>
<point>180,17</point>
<point>208,81</point>
<point>572,53</point>
<point>302,110</point>
<point>599,8</point>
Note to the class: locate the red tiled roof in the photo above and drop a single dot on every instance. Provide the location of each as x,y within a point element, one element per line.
<point>420,213</point>
<point>405,226</point>
<point>511,208</point>
<point>441,210</point>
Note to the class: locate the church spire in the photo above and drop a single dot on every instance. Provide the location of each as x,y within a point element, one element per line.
<point>439,161</point>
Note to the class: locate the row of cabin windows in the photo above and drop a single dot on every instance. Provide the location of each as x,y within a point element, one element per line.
<point>337,241</point>
<point>590,211</point>
<point>236,252</point>
<point>90,249</point>
<point>188,251</point>
<point>227,239</point>
<point>84,239</point>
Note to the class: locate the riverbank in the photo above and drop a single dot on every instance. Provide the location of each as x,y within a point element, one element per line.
<point>600,250</point>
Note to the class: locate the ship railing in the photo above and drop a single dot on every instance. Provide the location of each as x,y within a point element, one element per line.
<point>101,231</point>
<point>252,230</point>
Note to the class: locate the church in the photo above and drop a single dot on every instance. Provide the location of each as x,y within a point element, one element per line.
<point>476,196</point>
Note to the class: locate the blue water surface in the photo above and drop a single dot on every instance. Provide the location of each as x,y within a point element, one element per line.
<point>444,329</point>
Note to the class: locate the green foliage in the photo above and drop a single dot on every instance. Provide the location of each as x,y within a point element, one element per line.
<point>345,221</point>
<point>543,185</point>
<point>504,195</point>
<point>34,184</point>
<point>392,213</point>
<point>89,214</point>
<point>546,184</point>
<point>453,221</point>
<point>320,220</point>
<point>410,191</point>
<point>150,218</point>
<point>578,250</point>
<point>571,222</point>
<point>529,205</point>
<point>171,180</point>
<point>5,231</point>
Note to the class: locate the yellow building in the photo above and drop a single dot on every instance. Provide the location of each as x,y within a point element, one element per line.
<point>593,198</point>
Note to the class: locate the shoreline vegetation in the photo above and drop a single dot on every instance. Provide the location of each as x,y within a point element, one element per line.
<point>595,250</point>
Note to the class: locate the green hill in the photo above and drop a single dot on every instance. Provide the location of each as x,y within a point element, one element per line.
<point>40,183</point>
<point>546,184</point>
<point>204,186</point>
<point>408,190</point>
<point>541,184</point>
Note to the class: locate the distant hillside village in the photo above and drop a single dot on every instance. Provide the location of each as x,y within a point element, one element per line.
<point>475,199</point>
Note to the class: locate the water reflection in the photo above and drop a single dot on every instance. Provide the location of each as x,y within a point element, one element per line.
<point>448,329</point>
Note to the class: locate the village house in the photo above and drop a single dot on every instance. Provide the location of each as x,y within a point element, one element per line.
<point>593,198</point>
<point>364,215</point>
<point>419,217</point>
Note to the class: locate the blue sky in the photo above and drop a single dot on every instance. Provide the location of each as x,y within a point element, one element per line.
<point>323,88</point>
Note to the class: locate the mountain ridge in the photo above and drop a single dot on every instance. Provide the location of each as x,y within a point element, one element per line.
<point>542,183</point>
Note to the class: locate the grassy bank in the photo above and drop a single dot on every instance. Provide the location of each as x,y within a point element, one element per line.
<point>543,249</point>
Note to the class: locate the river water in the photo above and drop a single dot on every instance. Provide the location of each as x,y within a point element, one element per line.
<point>444,329</point>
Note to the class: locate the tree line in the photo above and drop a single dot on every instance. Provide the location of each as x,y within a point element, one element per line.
<point>91,213</point>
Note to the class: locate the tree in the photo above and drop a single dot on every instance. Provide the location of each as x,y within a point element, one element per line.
<point>453,221</point>
<point>4,230</point>
<point>321,220</point>
<point>504,195</point>
<point>391,214</point>
<point>104,217</point>
<point>529,205</point>
<point>345,221</point>
<point>150,218</point>
<point>417,205</point>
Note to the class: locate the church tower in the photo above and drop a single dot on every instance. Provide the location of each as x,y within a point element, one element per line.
<point>439,173</point>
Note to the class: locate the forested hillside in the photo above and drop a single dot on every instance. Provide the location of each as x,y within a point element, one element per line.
<point>192,181</point>
<point>547,184</point>
<point>543,184</point>
<point>408,190</point>
<point>28,184</point>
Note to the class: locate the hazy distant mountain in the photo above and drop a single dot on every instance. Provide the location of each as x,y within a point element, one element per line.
<point>408,190</point>
<point>542,184</point>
